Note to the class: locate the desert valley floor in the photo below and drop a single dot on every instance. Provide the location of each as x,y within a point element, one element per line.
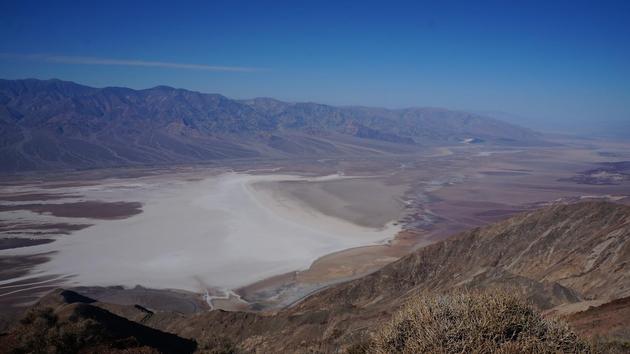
<point>263,234</point>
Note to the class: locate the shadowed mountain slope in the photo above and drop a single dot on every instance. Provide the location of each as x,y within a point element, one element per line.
<point>67,322</point>
<point>59,124</point>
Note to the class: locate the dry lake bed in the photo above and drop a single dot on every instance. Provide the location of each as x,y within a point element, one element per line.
<point>205,233</point>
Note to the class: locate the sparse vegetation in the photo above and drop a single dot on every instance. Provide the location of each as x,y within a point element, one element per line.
<point>43,333</point>
<point>82,328</point>
<point>474,323</point>
<point>217,344</point>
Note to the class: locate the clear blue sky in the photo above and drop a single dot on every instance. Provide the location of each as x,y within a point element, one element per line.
<point>563,64</point>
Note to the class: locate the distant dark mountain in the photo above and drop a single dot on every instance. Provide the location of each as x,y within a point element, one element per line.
<point>59,124</point>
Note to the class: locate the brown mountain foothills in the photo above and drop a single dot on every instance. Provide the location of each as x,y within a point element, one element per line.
<point>552,280</point>
<point>54,124</point>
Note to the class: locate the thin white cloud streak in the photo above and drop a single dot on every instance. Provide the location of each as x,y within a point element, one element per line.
<point>64,59</point>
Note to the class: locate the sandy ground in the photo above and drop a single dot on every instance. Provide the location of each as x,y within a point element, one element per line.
<point>224,231</point>
<point>364,201</point>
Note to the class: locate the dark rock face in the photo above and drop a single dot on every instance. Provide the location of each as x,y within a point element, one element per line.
<point>610,173</point>
<point>59,124</point>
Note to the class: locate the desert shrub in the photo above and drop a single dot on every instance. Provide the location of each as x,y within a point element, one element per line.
<point>41,332</point>
<point>358,348</point>
<point>474,323</point>
<point>217,344</point>
<point>610,345</point>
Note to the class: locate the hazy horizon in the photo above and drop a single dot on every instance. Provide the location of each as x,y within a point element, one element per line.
<point>560,66</point>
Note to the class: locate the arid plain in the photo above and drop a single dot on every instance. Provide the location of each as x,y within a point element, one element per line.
<point>262,234</point>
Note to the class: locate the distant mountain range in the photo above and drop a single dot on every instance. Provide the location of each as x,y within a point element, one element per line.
<point>55,124</point>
